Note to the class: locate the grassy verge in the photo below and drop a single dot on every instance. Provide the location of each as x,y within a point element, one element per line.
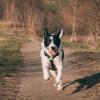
<point>10,53</point>
<point>79,46</point>
<point>10,58</point>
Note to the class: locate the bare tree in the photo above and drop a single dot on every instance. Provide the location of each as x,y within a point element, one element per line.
<point>74,5</point>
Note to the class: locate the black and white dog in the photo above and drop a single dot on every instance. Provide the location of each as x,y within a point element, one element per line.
<point>52,57</point>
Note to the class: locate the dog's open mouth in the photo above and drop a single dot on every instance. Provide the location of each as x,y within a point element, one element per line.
<point>53,52</point>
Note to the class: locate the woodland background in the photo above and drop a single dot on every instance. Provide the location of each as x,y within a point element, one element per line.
<point>80,19</point>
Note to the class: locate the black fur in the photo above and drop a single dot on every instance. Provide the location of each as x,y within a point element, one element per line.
<point>62,54</point>
<point>47,41</point>
<point>56,40</point>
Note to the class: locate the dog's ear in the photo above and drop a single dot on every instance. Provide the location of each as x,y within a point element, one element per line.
<point>60,33</point>
<point>46,33</point>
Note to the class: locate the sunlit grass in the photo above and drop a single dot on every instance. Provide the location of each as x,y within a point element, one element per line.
<point>10,59</point>
<point>10,56</point>
<point>79,46</point>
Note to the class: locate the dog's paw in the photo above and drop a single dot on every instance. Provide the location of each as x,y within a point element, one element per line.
<point>59,88</point>
<point>46,78</point>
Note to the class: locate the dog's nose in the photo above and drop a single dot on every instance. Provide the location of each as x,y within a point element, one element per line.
<point>53,48</point>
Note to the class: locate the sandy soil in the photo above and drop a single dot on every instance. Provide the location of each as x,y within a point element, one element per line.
<point>81,76</point>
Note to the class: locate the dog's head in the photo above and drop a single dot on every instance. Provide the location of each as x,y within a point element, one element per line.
<point>52,41</point>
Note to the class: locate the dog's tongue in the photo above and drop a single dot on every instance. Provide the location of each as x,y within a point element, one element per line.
<point>52,53</point>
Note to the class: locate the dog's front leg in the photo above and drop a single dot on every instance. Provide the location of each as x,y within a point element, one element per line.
<point>46,75</point>
<point>59,78</point>
<point>45,65</point>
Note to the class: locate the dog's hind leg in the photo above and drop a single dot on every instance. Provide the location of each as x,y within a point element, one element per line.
<point>53,73</point>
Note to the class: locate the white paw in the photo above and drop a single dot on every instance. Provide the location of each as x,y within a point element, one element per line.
<point>46,78</point>
<point>59,88</point>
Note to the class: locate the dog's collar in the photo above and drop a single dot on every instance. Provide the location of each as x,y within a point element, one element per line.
<point>51,58</point>
<point>53,67</point>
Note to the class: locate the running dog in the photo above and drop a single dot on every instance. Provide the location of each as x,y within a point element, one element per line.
<point>52,55</point>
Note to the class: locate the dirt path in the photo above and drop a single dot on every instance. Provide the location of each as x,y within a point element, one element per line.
<point>76,85</point>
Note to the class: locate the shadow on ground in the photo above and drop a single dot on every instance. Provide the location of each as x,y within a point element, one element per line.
<point>85,82</point>
<point>83,60</point>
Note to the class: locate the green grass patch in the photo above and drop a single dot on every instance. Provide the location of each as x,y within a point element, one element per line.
<point>10,59</point>
<point>75,45</point>
<point>10,56</point>
<point>7,73</point>
<point>79,46</point>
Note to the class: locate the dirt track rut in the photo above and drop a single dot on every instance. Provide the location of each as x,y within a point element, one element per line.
<point>76,67</point>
